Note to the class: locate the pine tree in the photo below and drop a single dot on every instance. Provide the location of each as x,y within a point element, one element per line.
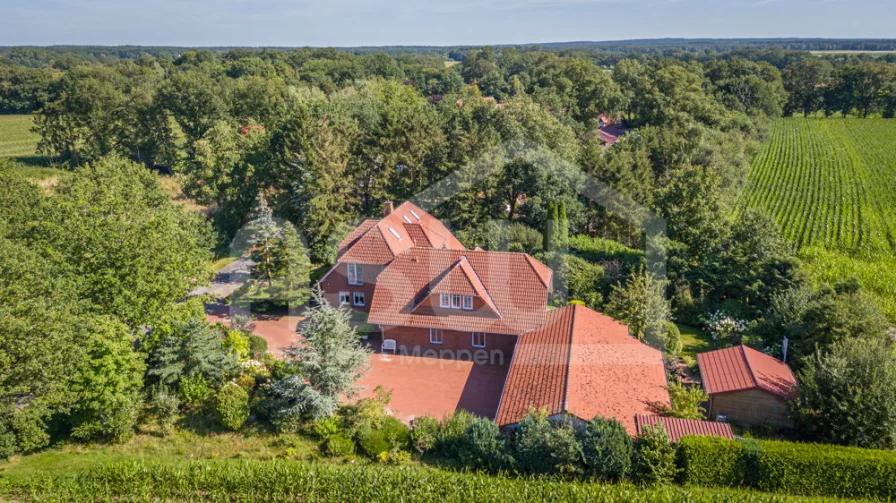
<point>327,363</point>
<point>549,228</point>
<point>562,231</point>
<point>265,240</point>
<point>292,269</point>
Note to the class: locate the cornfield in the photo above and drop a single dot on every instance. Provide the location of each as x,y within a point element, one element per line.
<point>829,183</point>
<point>275,481</point>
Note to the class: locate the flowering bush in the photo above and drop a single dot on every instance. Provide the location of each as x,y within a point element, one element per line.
<point>725,329</point>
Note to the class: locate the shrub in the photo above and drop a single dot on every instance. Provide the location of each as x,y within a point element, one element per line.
<point>328,427</point>
<point>607,449</point>
<point>164,406</point>
<point>394,457</point>
<point>232,406</point>
<point>824,470</point>
<point>238,344</point>
<point>686,401</point>
<point>424,433</point>
<point>673,338</point>
<point>258,346</point>
<point>392,434</point>
<point>711,461</point>
<point>542,447</point>
<point>487,447</point>
<point>794,468</point>
<point>452,437</point>
<point>368,412</point>
<point>193,391</point>
<point>654,458</point>
<point>846,395</point>
<point>338,446</point>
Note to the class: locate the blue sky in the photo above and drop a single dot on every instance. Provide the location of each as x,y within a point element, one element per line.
<point>424,22</point>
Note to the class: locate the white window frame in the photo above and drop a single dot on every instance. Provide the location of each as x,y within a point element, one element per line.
<point>406,219</point>
<point>416,216</point>
<point>473,341</point>
<point>468,303</point>
<point>455,301</point>
<point>445,300</point>
<point>395,233</point>
<point>345,298</point>
<point>436,331</point>
<point>356,296</point>
<point>355,274</point>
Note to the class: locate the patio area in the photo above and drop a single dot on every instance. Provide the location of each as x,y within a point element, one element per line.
<point>433,386</point>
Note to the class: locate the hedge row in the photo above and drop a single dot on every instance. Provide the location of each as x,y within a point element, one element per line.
<point>807,469</point>
<point>276,481</point>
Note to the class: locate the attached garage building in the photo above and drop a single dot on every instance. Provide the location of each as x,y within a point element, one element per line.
<point>747,386</point>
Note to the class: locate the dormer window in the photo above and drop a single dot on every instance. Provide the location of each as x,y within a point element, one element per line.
<point>453,301</point>
<point>397,236</point>
<point>355,274</point>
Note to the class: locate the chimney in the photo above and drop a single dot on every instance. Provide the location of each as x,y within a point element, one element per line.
<point>387,208</point>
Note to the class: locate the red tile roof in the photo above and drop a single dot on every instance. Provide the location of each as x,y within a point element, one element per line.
<point>508,279</point>
<point>407,226</point>
<point>677,428</point>
<point>461,279</point>
<point>742,368</point>
<point>585,364</point>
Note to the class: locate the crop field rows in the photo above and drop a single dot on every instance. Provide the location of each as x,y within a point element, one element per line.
<point>829,183</point>
<point>16,138</point>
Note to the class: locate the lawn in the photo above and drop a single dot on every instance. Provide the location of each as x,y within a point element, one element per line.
<point>181,445</point>
<point>694,341</point>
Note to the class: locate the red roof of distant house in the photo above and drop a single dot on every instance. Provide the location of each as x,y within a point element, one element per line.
<point>741,368</point>
<point>585,364</point>
<point>677,428</point>
<point>407,226</point>
<point>509,283</point>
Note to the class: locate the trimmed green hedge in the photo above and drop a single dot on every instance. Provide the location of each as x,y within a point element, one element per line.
<point>711,461</point>
<point>282,481</point>
<point>795,468</point>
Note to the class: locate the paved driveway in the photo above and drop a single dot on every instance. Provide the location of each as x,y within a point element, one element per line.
<point>228,280</point>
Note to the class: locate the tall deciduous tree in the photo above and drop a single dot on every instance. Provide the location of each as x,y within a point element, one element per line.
<point>641,304</point>
<point>846,395</point>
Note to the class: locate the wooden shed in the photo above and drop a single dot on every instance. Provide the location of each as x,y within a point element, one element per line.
<point>747,386</point>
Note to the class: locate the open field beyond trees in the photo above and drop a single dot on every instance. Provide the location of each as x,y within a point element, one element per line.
<point>829,184</point>
<point>16,138</point>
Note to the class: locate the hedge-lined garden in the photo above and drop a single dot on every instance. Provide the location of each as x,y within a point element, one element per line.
<point>794,468</point>
<point>275,481</point>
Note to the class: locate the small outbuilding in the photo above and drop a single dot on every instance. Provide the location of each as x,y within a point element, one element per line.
<point>747,386</point>
<point>677,428</point>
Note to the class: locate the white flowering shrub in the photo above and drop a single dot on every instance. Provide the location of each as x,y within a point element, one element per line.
<point>725,329</point>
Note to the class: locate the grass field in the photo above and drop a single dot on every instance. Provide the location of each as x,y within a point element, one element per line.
<point>16,138</point>
<point>830,185</point>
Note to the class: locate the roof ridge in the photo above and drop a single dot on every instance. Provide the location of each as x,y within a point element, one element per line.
<point>572,332</point>
<point>743,353</point>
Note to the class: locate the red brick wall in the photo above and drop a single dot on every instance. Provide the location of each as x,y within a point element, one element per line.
<point>337,281</point>
<point>752,406</point>
<point>455,345</point>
